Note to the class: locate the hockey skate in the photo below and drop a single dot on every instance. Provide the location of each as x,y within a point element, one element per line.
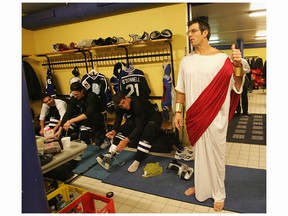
<point>183,170</point>
<point>105,160</point>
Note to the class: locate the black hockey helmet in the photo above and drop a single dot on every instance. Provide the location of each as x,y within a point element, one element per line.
<point>166,33</point>
<point>110,41</point>
<point>155,35</point>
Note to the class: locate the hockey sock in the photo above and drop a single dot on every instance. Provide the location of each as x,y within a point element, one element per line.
<point>143,149</point>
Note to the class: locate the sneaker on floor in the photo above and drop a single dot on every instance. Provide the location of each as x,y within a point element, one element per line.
<point>185,154</point>
<point>106,144</point>
<point>105,161</point>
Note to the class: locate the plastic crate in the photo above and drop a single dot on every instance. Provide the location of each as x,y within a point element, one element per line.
<point>63,196</point>
<point>90,203</point>
<point>50,185</point>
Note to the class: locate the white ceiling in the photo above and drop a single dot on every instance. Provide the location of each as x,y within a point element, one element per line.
<point>229,21</point>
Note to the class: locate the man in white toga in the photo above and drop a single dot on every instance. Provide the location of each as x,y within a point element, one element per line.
<point>209,83</point>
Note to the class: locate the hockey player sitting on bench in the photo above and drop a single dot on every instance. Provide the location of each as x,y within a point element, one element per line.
<point>143,125</point>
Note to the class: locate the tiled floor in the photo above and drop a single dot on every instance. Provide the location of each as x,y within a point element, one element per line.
<point>129,201</point>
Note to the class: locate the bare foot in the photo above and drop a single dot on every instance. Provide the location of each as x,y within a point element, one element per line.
<point>190,191</point>
<point>218,206</point>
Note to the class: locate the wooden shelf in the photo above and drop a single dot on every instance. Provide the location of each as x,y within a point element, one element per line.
<point>58,53</point>
<point>128,44</point>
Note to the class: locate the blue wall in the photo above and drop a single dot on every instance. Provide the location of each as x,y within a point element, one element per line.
<point>34,199</point>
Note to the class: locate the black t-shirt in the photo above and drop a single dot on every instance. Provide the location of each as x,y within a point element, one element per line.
<point>89,105</point>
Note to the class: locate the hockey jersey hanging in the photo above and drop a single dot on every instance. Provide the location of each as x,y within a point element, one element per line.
<point>167,92</point>
<point>132,82</point>
<point>50,88</point>
<point>97,83</point>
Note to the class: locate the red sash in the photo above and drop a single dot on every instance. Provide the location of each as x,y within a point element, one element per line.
<point>203,111</point>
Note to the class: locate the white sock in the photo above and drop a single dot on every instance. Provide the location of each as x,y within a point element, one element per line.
<point>112,149</point>
<point>134,166</point>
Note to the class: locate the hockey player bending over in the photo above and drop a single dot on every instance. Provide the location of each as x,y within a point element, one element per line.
<point>83,112</point>
<point>143,125</point>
